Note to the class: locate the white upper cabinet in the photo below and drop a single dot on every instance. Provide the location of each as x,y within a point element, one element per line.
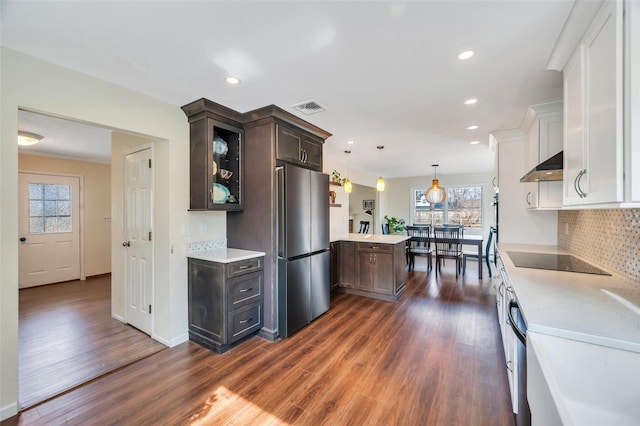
<point>593,114</point>
<point>632,100</point>
<point>543,125</point>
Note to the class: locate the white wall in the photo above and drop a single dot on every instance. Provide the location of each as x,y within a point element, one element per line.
<point>36,85</point>
<point>518,224</point>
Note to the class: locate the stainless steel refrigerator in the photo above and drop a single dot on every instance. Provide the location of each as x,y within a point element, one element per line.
<point>303,247</point>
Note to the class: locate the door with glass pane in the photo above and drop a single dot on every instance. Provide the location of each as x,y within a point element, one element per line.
<point>49,229</point>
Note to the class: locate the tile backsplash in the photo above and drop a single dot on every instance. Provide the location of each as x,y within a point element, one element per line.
<point>199,246</point>
<point>609,237</point>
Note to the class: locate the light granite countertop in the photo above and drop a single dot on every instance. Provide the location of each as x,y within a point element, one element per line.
<point>225,255</point>
<point>372,238</point>
<point>598,309</point>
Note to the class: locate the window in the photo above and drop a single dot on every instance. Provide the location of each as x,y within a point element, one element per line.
<point>49,208</point>
<point>463,206</point>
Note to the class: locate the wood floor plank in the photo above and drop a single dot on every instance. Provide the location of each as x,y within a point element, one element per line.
<point>434,357</point>
<point>67,337</point>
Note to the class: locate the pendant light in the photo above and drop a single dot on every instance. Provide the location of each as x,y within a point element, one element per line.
<point>435,194</point>
<point>380,183</point>
<point>348,187</point>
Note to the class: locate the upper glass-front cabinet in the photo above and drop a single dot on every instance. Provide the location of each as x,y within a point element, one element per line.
<point>216,158</point>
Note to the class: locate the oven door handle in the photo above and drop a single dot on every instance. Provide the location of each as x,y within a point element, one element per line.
<point>514,326</point>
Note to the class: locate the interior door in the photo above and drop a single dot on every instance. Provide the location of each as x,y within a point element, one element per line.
<point>138,215</point>
<point>49,229</point>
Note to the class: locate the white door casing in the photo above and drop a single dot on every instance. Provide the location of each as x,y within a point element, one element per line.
<point>49,221</point>
<point>138,236</point>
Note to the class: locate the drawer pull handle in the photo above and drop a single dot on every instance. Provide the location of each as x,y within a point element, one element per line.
<point>246,321</point>
<point>244,290</point>
<point>244,267</point>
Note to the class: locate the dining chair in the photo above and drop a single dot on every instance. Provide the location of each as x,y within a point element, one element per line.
<point>455,225</point>
<point>419,244</point>
<point>364,227</point>
<point>473,254</point>
<point>448,246</point>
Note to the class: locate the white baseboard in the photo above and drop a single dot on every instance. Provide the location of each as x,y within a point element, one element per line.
<point>9,411</point>
<point>172,342</point>
<point>118,317</point>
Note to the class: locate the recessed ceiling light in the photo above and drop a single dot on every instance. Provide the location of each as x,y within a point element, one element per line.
<point>233,80</point>
<point>28,138</point>
<point>474,142</point>
<point>350,142</point>
<point>472,127</point>
<point>470,101</point>
<point>465,55</point>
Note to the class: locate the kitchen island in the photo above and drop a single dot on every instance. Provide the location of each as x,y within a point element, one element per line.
<point>372,265</point>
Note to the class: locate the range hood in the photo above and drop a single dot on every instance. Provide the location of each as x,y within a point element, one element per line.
<point>550,169</point>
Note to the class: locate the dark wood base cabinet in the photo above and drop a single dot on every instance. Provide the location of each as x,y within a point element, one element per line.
<point>225,302</point>
<point>372,269</point>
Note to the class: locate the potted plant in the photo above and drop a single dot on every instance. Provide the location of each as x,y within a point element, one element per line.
<point>335,177</point>
<point>396,226</point>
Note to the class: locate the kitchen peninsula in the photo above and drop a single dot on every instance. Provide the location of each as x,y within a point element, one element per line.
<point>371,265</point>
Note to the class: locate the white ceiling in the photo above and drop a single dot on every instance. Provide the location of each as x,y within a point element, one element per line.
<point>387,71</point>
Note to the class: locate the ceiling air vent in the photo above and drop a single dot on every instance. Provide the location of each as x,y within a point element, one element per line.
<point>309,107</point>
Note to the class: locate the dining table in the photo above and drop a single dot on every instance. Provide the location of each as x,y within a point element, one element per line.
<point>467,240</point>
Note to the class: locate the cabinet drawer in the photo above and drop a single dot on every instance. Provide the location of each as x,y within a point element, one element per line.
<point>245,289</point>
<point>244,321</point>
<point>376,248</point>
<point>244,267</point>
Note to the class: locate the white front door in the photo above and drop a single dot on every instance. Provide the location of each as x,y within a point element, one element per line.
<point>49,229</point>
<point>138,215</point>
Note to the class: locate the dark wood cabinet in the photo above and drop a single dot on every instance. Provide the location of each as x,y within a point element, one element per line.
<point>373,270</point>
<point>346,264</point>
<point>225,301</point>
<point>216,160</point>
<point>295,147</point>
<point>333,266</point>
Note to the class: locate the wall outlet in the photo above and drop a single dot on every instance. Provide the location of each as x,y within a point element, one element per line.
<point>203,228</point>
<point>185,230</point>
<point>106,218</point>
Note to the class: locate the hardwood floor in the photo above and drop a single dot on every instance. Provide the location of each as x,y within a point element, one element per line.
<point>432,358</point>
<point>67,337</point>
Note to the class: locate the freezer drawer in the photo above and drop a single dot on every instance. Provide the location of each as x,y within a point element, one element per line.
<point>303,291</point>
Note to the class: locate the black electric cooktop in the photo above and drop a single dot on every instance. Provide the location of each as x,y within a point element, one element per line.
<point>554,262</point>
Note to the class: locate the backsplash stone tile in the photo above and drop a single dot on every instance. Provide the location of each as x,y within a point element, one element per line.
<point>609,237</point>
<point>200,246</point>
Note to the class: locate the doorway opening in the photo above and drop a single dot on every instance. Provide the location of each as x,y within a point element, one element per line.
<point>76,315</point>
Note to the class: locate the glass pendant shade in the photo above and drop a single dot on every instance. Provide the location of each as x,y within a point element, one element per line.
<point>347,186</point>
<point>436,194</point>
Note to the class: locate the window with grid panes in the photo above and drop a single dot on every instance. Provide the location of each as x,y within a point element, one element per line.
<point>49,208</point>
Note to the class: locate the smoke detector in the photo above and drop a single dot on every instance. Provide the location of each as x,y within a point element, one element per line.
<point>309,107</point>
